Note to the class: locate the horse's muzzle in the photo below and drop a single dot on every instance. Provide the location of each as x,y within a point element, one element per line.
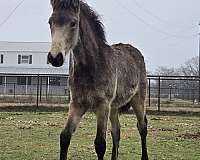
<point>56,61</point>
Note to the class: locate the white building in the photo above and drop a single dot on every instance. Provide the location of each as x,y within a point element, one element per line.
<point>17,59</point>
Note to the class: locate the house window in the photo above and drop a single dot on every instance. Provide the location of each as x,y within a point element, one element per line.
<point>54,81</point>
<point>1,59</point>
<point>24,59</point>
<point>24,80</point>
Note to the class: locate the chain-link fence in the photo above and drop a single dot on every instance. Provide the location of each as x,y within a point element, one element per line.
<point>34,89</point>
<point>164,92</point>
<point>174,92</point>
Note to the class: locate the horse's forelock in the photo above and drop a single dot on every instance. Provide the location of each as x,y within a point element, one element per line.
<point>63,4</point>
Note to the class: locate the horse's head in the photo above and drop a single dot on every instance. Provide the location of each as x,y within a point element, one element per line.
<point>64,25</point>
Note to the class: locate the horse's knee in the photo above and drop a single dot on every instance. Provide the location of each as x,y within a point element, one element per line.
<point>100,146</point>
<point>142,127</point>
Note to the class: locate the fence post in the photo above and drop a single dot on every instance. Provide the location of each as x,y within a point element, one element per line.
<point>40,88</point>
<point>46,87</point>
<point>38,81</point>
<point>170,93</point>
<point>159,94</point>
<point>5,85</point>
<point>14,91</point>
<point>149,92</point>
<point>199,91</point>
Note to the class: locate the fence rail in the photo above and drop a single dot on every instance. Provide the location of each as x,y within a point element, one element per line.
<point>173,90</point>
<point>31,88</point>
<point>36,89</point>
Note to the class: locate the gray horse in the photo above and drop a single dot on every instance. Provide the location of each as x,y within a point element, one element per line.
<point>103,78</point>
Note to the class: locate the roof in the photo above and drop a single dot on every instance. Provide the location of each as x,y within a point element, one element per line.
<point>24,46</point>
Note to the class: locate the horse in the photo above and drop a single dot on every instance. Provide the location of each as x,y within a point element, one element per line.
<point>102,78</point>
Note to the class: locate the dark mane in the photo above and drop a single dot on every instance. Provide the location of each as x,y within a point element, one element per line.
<point>92,17</point>
<point>94,20</point>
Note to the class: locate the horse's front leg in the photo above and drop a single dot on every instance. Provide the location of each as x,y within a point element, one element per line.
<point>100,141</point>
<point>74,117</point>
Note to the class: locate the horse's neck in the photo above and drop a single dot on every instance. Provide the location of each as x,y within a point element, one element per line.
<point>88,48</point>
<point>84,54</point>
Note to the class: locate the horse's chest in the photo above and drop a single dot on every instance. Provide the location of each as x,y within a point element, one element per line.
<point>92,91</point>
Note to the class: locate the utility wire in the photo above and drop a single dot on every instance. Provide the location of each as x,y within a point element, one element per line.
<point>11,13</point>
<point>148,24</point>
<point>147,11</point>
<point>183,30</point>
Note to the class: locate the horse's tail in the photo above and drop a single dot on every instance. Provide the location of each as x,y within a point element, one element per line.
<point>125,108</point>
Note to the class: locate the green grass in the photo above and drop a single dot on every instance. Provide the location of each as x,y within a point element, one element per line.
<point>35,136</point>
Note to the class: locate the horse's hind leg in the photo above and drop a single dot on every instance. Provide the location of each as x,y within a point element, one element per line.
<point>138,106</point>
<point>115,125</point>
<point>74,117</point>
<point>100,141</point>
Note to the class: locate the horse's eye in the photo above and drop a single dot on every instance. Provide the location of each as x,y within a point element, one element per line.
<point>73,24</point>
<point>49,22</point>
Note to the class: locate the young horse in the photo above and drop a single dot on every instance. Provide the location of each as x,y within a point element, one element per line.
<point>103,78</point>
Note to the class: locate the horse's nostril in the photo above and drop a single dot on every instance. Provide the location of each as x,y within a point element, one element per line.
<point>59,57</point>
<point>56,61</point>
<point>49,57</point>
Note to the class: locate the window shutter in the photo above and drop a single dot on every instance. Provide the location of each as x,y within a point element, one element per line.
<point>1,58</point>
<point>19,59</point>
<point>30,59</point>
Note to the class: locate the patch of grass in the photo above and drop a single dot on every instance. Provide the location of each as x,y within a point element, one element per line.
<point>35,136</point>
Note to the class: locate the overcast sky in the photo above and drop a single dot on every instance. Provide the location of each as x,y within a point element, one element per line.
<point>166,31</point>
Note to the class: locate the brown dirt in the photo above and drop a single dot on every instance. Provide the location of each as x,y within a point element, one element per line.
<point>190,135</point>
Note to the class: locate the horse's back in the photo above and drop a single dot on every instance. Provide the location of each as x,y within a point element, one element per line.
<point>134,52</point>
<point>128,50</point>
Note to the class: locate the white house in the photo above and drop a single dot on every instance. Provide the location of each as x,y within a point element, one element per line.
<point>17,59</point>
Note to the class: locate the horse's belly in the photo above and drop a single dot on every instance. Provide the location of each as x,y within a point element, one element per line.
<point>124,95</point>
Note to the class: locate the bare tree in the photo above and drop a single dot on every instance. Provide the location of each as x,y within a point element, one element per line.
<point>185,89</point>
<point>190,67</point>
<point>166,71</point>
